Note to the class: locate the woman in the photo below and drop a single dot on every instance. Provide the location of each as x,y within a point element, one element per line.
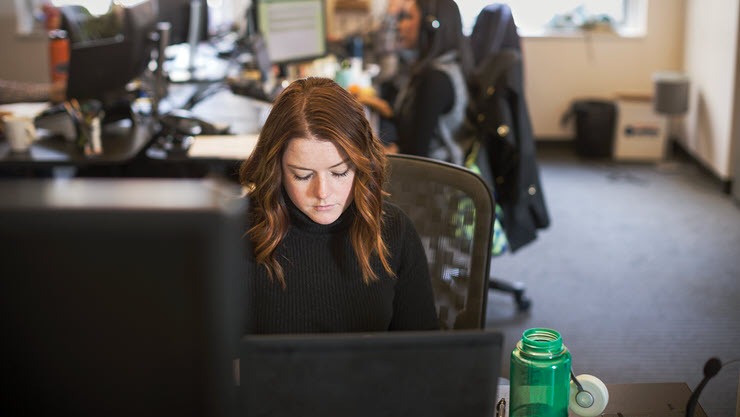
<point>430,110</point>
<point>329,254</point>
<point>12,91</point>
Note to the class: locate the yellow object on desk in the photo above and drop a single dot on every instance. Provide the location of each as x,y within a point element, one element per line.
<point>223,146</point>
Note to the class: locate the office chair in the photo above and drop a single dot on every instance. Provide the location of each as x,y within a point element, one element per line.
<point>453,212</point>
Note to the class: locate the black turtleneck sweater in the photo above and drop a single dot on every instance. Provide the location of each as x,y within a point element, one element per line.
<point>324,290</point>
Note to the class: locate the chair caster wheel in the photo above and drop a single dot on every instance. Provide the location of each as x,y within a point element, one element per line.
<point>523,303</point>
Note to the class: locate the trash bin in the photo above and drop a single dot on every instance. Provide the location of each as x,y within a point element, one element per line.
<point>595,121</point>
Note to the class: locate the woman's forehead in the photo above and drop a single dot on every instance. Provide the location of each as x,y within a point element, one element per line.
<point>313,151</point>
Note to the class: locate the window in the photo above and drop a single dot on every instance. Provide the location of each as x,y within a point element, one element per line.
<point>28,16</point>
<point>566,17</point>
<point>31,15</point>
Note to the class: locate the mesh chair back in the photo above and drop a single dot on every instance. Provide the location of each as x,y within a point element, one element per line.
<point>452,209</point>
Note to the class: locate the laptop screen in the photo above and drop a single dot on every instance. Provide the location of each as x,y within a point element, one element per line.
<point>426,373</point>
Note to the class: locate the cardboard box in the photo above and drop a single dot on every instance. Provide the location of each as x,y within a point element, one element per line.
<point>640,132</point>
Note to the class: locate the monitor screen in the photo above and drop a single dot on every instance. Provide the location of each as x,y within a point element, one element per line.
<point>119,297</point>
<point>293,30</point>
<point>105,57</point>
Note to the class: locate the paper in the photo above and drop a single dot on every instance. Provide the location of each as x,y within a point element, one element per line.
<point>223,146</point>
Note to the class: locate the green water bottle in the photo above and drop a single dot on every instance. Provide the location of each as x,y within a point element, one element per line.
<point>540,375</point>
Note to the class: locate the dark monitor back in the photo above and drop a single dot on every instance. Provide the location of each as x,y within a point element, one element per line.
<point>99,69</point>
<point>140,23</point>
<point>423,373</point>
<point>119,297</point>
<point>178,12</point>
<point>103,60</point>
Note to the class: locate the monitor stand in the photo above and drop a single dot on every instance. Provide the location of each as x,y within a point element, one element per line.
<point>176,127</point>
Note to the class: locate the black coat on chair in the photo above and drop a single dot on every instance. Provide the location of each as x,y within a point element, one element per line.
<point>499,108</point>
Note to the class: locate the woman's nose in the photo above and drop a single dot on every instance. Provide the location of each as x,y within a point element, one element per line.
<point>321,187</point>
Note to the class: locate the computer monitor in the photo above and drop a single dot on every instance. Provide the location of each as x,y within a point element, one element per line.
<point>103,62</point>
<point>178,13</point>
<point>412,373</point>
<point>120,297</point>
<point>81,25</point>
<point>99,69</point>
<point>293,30</point>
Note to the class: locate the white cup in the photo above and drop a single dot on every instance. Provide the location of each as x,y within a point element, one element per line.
<point>20,132</point>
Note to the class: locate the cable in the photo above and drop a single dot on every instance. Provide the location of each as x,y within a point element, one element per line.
<point>711,368</point>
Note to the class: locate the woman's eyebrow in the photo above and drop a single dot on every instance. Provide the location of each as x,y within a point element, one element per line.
<point>300,168</point>
<point>346,161</point>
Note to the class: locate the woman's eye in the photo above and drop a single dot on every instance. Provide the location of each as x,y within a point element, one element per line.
<point>299,178</point>
<point>340,174</point>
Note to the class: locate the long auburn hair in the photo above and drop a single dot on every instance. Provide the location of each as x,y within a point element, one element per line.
<point>316,108</point>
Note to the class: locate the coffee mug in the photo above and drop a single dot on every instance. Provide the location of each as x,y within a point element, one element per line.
<point>20,132</point>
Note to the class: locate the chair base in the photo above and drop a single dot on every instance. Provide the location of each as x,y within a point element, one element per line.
<point>523,303</point>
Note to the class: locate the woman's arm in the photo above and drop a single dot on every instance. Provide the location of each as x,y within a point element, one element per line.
<point>19,91</point>
<point>433,96</point>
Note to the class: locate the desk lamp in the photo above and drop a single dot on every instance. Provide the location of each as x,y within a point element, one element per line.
<point>671,95</point>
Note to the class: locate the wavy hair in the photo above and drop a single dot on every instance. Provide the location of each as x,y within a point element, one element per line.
<point>318,108</point>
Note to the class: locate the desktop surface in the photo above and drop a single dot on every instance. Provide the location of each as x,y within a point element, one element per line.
<point>664,399</point>
<point>121,142</point>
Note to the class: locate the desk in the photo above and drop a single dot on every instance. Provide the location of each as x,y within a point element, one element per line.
<point>639,400</point>
<point>244,116</point>
<point>125,142</point>
<point>121,142</point>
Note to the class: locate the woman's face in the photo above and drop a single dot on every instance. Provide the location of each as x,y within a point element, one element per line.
<point>409,21</point>
<point>318,178</point>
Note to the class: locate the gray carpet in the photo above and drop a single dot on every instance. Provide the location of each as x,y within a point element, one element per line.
<point>639,271</point>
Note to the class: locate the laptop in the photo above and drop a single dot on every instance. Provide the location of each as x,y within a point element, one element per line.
<point>423,373</point>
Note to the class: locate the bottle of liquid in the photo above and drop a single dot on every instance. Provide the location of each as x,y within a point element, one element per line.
<point>58,56</point>
<point>540,375</point>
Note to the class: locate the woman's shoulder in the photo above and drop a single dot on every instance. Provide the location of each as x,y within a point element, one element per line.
<point>434,83</point>
<point>395,218</point>
<point>391,210</point>
<point>399,232</point>
<point>433,75</point>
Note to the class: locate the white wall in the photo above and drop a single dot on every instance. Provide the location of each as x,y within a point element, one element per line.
<point>735,149</point>
<point>711,62</point>
<point>24,58</point>
<point>558,70</point>
<point>7,8</point>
